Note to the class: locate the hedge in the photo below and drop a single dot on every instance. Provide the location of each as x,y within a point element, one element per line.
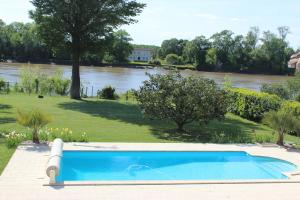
<point>250,104</point>
<point>291,106</point>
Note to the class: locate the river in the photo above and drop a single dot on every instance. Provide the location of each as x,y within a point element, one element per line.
<point>124,79</point>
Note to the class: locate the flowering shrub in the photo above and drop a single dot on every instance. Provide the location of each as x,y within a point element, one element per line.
<point>66,134</point>
<point>13,138</point>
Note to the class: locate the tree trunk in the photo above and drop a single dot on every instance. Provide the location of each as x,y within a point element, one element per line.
<point>35,137</point>
<point>180,126</point>
<point>280,140</point>
<point>75,86</point>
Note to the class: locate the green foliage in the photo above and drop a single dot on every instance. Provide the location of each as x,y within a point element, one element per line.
<point>108,92</point>
<point>33,81</point>
<point>172,46</point>
<point>250,104</point>
<point>2,84</point>
<point>292,107</point>
<point>61,85</point>
<point>61,27</point>
<point>13,139</point>
<point>283,122</point>
<point>225,51</point>
<point>35,119</point>
<point>121,48</point>
<point>293,86</point>
<point>66,134</point>
<point>211,57</point>
<point>182,100</point>
<point>195,51</point>
<point>173,59</point>
<point>277,89</point>
<point>227,83</point>
<point>156,62</point>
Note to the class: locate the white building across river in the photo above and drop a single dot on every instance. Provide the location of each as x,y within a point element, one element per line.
<point>141,54</point>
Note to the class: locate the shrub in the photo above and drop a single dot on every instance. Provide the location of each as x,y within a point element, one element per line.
<point>293,86</point>
<point>28,79</point>
<point>156,62</point>
<point>173,59</point>
<point>33,81</point>
<point>13,139</point>
<point>291,106</point>
<point>250,104</point>
<point>108,93</point>
<point>283,122</point>
<point>277,89</point>
<point>2,84</point>
<point>61,85</point>
<point>181,99</point>
<point>66,134</point>
<point>35,120</point>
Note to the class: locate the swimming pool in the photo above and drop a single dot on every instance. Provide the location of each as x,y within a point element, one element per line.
<point>158,166</point>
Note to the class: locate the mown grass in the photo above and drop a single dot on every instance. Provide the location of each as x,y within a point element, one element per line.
<point>120,121</point>
<point>5,154</point>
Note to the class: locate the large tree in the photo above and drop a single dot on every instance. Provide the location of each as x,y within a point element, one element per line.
<point>81,26</point>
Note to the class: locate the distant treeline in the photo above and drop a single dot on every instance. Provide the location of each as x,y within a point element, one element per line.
<point>21,43</point>
<point>255,52</point>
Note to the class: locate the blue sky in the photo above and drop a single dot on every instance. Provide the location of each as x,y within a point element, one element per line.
<point>164,19</point>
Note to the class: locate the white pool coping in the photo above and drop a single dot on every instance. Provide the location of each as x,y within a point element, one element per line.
<point>25,177</point>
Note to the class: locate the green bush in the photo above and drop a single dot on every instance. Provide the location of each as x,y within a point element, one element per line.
<point>282,122</point>
<point>277,89</point>
<point>108,93</point>
<point>250,104</point>
<point>2,84</point>
<point>33,81</point>
<point>66,134</point>
<point>173,59</point>
<point>181,99</point>
<point>291,106</point>
<point>156,62</point>
<point>13,139</point>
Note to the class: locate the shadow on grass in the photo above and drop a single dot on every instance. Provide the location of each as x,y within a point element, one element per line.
<point>113,110</point>
<point>4,109</point>
<point>231,130</point>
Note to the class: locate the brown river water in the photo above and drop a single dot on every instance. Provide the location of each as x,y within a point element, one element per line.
<point>124,79</point>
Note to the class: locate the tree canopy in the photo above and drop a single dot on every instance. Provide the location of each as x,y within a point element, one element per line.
<point>181,99</point>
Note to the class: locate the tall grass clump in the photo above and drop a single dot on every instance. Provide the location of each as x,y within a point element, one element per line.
<point>34,120</point>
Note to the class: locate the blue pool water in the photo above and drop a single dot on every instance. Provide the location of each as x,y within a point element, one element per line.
<point>125,166</point>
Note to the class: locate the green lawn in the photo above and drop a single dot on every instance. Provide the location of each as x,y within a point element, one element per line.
<point>118,121</point>
<point>5,154</point>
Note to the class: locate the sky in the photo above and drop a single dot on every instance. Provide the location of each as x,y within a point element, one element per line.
<point>186,19</point>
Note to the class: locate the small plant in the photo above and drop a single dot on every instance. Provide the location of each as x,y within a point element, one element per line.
<point>227,82</point>
<point>66,134</point>
<point>13,139</point>
<point>108,93</point>
<point>35,120</point>
<point>2,84</point>
<point>282,122</point>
